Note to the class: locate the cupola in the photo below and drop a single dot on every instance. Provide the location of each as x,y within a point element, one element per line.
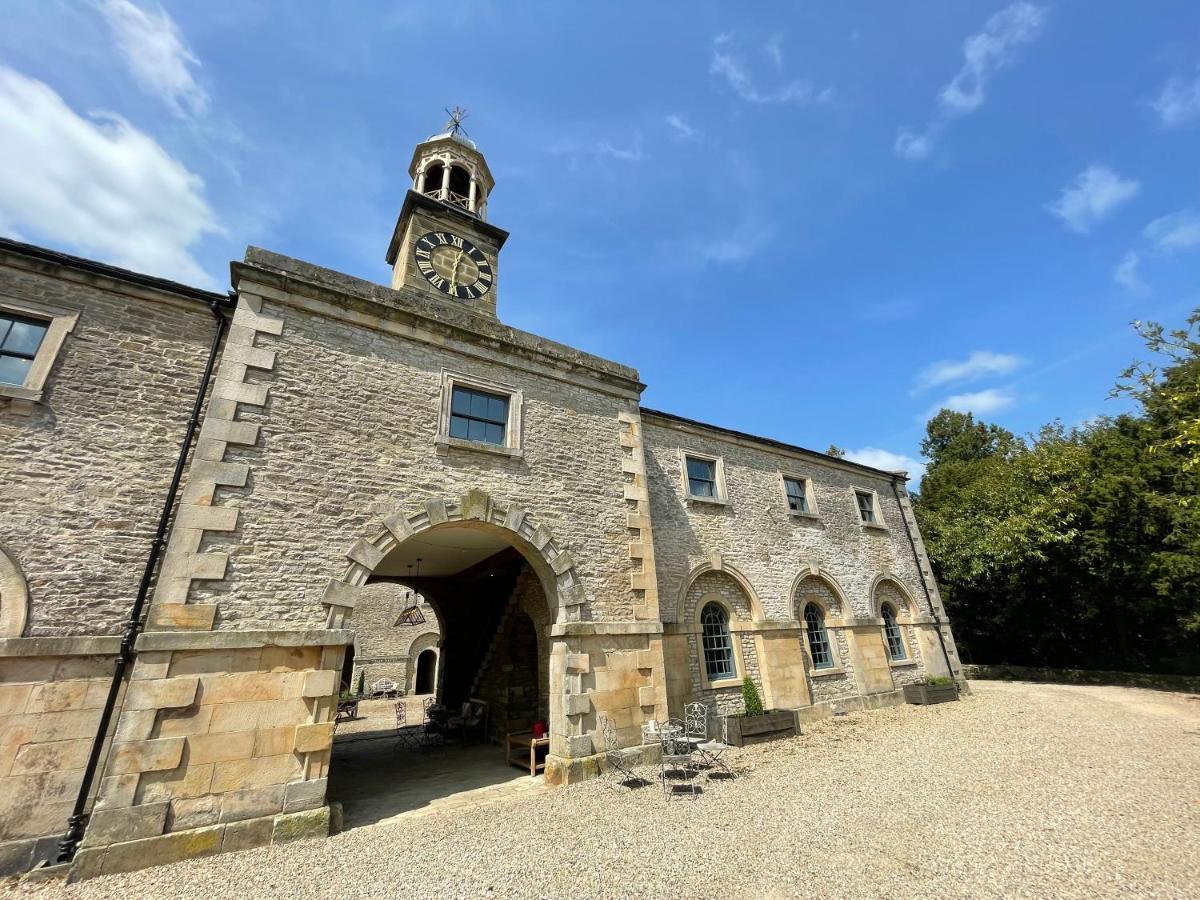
<point>449,167</point>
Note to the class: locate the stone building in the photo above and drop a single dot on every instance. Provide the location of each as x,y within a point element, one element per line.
<point>357,445</point>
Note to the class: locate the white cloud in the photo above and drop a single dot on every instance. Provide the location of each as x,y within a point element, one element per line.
<point>747,239</point>
<point>987,52</point>
<point>1175,232</point>
<point>915,145</point>
<point>600,151</point>
<point>682,129</point>
<point>1091,197</point>
<point>774,50</point>
<point>984,54</point>
<point>977,365</point>
<point>157,55</point>
<point>1127,276</point>
<point>729,67</point>
<point>888,461</point>
<point>97,184</point>
<point>981,403</point>
<point>1179,101</point>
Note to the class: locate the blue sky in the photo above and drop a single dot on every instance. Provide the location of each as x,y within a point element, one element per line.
<point>818,222</point>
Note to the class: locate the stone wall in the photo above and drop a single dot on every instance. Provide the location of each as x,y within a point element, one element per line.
<point>84,472</point>
<point>363,445</point>
<point>383,649</point>
<point>51,694</point>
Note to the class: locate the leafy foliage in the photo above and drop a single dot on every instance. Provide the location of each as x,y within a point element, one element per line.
<point>1075,547</point>
<point>751,698</point>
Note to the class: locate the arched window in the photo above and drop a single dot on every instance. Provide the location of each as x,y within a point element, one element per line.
<point>818,637</point>
<point>891,631</point>
<point>717,642</point>
<point>433,180</point>
<point>460,185</point>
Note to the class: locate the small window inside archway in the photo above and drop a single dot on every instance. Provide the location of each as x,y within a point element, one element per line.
<point>818,637</point>
<point>433,179</point>
<point>891,631</point>
<point>460,184</point>
<point>717,642</point>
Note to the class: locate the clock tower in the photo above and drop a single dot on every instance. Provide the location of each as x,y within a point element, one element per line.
<point>443,244</point>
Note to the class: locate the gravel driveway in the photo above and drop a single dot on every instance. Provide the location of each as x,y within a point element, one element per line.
<point>1021,790</point>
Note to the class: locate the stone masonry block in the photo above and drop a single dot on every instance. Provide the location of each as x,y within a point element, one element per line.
<point>155,755</point>
<point>365,554</point>
<point>298,826</point>
<point>112,826</point>
<point>302,795</point>
<point>117,791</point>
<point>320,683</point>
<point>477,504</point>
<point>252,803</point>
<point>162,693</point>
<point>579,745</point>
<point>248,834</point>
<point>436,510</point>
<point>578,704</point>
<point>397,524</point>
<point>562,562</point>
<point>314,737</point>
<point>230,432</point>
<point>514,517</point>
<point>166,848</point>
<point>211,748</point>
<point>647,695</point>
<point>578,662</point>
<point>541,537</point>
<point>338,593</point>
<point>644,659</point>
<point>181,617</point>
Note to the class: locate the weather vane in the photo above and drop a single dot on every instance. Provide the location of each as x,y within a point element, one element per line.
<point>456,118</point>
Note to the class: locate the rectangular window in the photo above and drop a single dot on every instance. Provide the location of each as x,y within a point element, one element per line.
<point>20,338</point>
<point>478,416</point>
<point>797,495</point>
<point>866,507</point>
<point>702,477</point>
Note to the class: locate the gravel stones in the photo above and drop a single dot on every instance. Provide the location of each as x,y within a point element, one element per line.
<point>1019,790</point>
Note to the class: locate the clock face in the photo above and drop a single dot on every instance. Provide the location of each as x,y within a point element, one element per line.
<point>453,265</point>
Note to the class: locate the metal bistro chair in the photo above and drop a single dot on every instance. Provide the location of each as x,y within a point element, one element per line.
<point>621,760</point>
<point>408,736</point>
<point>434,725</point>
<point>712,749</point>
<point>679,758</point>
<point>695,725</point>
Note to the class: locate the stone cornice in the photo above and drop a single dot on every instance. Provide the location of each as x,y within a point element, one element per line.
<point>89,645</point>
<point>424,318</point>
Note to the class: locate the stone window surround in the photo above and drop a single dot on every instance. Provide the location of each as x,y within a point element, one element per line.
<point>904,618</point>
<point>879,524</point>
<point>810,495</point>
<point>689,498</point>
<point>60,321</point>
<point>512,429</point>
<point>736,627</point>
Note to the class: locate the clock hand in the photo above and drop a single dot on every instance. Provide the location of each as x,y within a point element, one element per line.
<point>454,274</point>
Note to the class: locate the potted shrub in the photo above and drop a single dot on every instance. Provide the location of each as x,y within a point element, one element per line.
<point>756,724</point>
<point>934,689</point>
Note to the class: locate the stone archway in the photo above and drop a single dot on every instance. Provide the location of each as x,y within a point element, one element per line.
<point>549,559</point>
<point>425,679</point>
<point>14,597</point>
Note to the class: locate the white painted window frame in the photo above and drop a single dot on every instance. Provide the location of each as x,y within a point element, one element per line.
<point>512,445</point>
<point>722,497</point>
<point>810,495</point>
<point>60,321</point>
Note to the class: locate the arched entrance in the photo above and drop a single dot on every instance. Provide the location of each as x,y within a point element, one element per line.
<point>497,582</point>
<point>426,672</point>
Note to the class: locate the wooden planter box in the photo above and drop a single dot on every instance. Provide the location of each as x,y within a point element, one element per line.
<point>923,694</point>
<point>745,730</point>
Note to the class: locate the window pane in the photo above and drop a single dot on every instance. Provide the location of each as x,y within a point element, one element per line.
<point>797,501</point>
<point>13,369</point>
<point>494,433</point>
<point>458,427</point>
<point>866,507</point>
<point>25,337</point>
<point>460,402</point>
<point>700,468</point>
<point>479,404</point>
<point>498,409</point>
<point>700,488</point>
<point>476,430</point>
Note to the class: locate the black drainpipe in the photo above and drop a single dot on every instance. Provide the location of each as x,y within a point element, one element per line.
<point>937,623</point>
<point>133,626</point>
